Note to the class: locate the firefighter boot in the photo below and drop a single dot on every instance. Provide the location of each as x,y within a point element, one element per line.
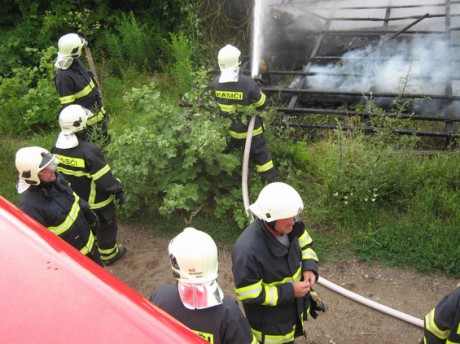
<point>121,251</point>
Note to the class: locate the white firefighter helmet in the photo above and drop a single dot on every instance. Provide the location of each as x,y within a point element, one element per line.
<point>229,63</point>
<point>72,119</point>
<point>194,261</point>
<point>70,47</point>
<point>29,162</point>
<point>277,201</point>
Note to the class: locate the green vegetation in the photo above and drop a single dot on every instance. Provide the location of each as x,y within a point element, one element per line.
<point>365,195</point>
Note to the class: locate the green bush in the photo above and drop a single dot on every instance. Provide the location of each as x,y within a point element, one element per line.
<point>171,161</point>
<point>28,98</point>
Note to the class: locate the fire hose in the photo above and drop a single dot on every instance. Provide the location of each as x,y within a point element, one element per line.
<point>321,280</point>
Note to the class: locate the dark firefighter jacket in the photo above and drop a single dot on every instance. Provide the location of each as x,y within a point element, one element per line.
<point>263,271</point>
<point>76,85</point>
<point>221,324</point>
<point>442,323</point>
<point>58,208</point>
<point>232,95</point>
<point>84,166</point>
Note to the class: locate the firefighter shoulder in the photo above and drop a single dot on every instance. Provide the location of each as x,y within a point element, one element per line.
<point>267,264</point>
<point>197,300</point>
<point>442,323</point>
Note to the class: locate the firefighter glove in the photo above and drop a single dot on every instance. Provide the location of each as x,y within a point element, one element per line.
<point>316,304</point>
<point>120,196</point>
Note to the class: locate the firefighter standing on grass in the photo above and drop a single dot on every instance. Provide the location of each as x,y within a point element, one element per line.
<point>274,267</point>
<point>85,167</point>
<point>232,91</point>
<point>48,198</point>
<point>197,300</point>
<point>77,85</point>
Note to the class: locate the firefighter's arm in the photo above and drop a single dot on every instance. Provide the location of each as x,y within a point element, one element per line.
<point>309,257</point>
<point>102,173</point>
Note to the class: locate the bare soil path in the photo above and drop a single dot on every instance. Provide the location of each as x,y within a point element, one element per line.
<point>146,266</point>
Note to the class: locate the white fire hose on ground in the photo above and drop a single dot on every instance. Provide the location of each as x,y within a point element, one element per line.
<point>321,280</point>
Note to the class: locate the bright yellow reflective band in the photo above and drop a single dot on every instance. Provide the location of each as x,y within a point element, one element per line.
<point>72,172</point>
<point>102,203</point>
<point>230,95</point>
<point>109,253</point>
<point>227,108</point>
<point>284,338</point>
<point>305,239</point>
<point>69,220</point>
<point>89,245</point>
<point>69,161</point>
<point>249,292</point>
<point>241,136</point>
<point>67,99</point>
<point>271,295</point>
<point>101,172</point>
<point>87,90</point>
<point>261,100</point>
<point>309,254</point>
<point>433,328</point>
<point>96,118</point>
<point>265,167</point>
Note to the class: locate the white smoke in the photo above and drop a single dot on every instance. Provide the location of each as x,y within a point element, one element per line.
<point>418,66</point>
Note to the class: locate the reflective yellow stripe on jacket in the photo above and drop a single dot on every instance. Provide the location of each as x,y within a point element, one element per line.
<point>92,193</point>
<point>96,118</point>
<point>271,291</point>
<point>431,326</point>
<point>307,252</point>
<point>69,220</point>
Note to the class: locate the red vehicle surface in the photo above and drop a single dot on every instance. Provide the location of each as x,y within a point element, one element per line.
<point>51,293</point>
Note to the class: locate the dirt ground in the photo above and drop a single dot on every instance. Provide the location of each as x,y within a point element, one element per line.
<point>146,266</point>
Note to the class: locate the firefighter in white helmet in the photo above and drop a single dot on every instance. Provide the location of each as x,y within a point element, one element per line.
<point>275,266</point>
<point>48,198</point>
<point>77,85</point>
<point>197,300</point>
<point>83,164</point>
<point>233,92</point>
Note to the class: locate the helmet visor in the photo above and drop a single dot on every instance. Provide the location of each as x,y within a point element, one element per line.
<point>63,62</point>
<point>48,160</point>
<point>200,296</point>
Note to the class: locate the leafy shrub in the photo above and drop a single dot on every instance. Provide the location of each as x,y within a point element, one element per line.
<point>171,160</point>
<point>28,98</point>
